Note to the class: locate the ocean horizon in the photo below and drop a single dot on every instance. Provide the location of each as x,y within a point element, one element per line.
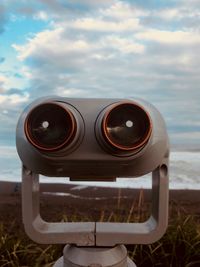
<point>184,170</point>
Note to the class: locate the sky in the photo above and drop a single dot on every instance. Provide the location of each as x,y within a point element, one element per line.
<point>106,48</point>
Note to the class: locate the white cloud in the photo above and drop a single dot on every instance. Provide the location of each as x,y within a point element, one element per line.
<point>102,25</point>
<point>8,81</point>
<point>169,37</point>
<point>94,2</point>
<point>13,99</point>
<point>3,83</point>
<point>103,57</point>
<point>41,15</point>
<point>3,80</point>
<point>49,44</point>
<point>123,10</point>
<point>169,13</point>
<point>125,45</point>
<point>68,92</point>
<point>26,72</point>
<point>179,13</point>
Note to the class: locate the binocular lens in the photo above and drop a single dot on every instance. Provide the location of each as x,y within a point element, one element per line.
<point>50,126</point>
<point>126,126</point>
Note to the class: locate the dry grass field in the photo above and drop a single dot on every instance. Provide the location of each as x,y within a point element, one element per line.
<point>179,247</point>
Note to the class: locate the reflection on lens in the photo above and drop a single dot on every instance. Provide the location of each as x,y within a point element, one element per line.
<point>126,126</point>
<point>50,126</point>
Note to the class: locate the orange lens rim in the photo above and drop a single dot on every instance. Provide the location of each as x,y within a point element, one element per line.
<point>115,145</point>
<point>69,137</point>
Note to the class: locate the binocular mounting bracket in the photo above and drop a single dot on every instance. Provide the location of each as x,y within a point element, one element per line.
<point>96,234</point>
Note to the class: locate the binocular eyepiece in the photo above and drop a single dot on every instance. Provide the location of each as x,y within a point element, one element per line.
<point>91,137</point>
<point>122,126</point>
<point>125,126</point>
<point>50,126</point>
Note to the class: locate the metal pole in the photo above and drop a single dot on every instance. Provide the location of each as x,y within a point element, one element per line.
<point>74,256</point>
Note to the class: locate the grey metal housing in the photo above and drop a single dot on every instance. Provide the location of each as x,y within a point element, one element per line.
<point>90,159</point>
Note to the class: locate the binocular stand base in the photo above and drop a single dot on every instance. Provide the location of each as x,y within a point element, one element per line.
<point>74,256</point>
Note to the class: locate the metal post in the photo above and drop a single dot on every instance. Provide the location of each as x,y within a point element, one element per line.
<point>74,256</point>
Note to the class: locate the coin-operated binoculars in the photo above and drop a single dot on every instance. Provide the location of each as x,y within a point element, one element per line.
<point>93,140</point>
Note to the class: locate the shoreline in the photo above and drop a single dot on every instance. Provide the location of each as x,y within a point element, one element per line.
<point>92,199</point>
<point>10,189</point>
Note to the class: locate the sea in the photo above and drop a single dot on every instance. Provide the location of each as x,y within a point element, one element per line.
<point>184,171</point>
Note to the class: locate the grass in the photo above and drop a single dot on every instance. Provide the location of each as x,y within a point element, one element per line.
<point>179,247</point>
<point>20,251</point>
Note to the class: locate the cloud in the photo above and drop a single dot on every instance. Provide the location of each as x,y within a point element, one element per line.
<point>92,24</point>
<point>92,2</point>
<point>170,37</point>
<point>114,49</point>
<point>123,10</point>
<point>13,99</point>
<point>124,45</point>
<point>12,102</point>
<point>3,81</point>
<point>60,4</point>
<point>10,96</point>
<point>47,45</point>
<point>41,15</point>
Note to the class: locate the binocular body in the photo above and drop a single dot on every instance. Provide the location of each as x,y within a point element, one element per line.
<point>91,139</point>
